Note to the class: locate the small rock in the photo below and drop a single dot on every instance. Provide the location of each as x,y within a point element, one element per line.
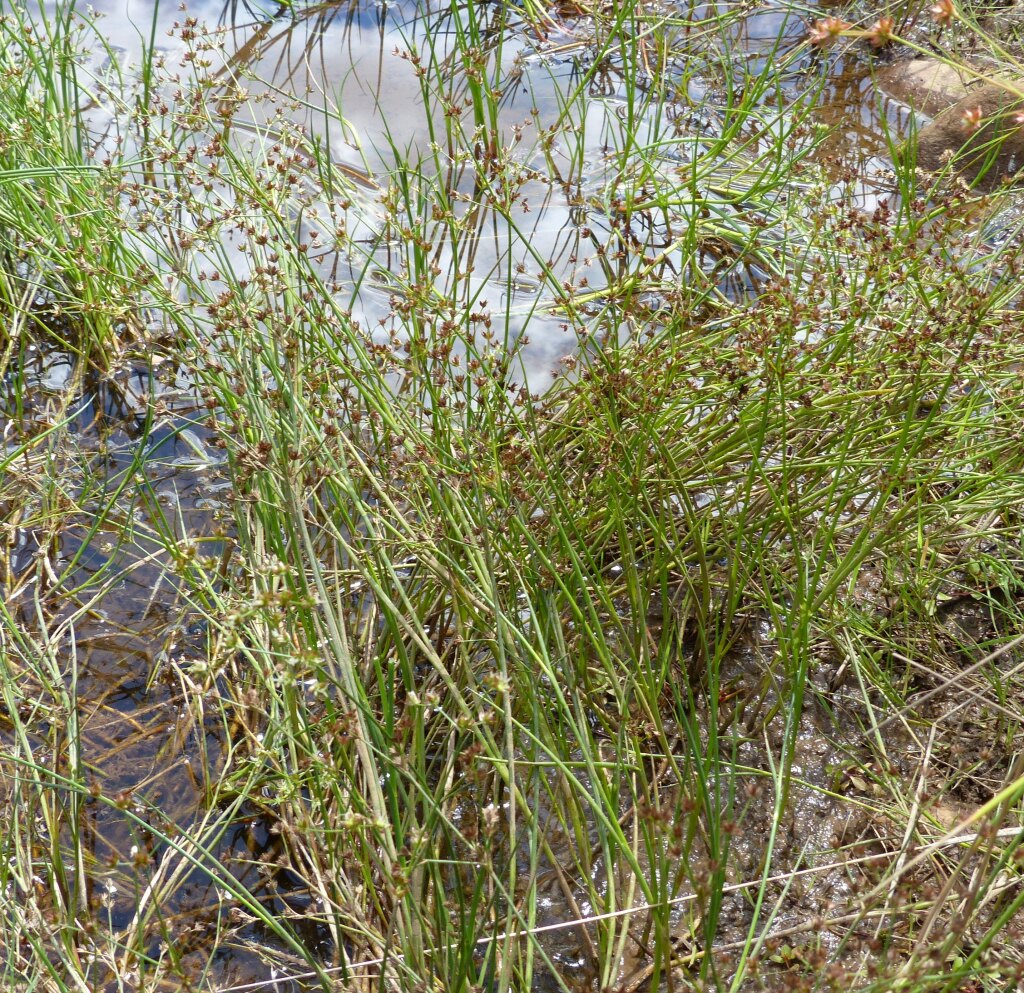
<point>925,84</point>
<point>980,135</point>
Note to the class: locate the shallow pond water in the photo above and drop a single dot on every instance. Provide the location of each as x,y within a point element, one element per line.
<point>344,74</point>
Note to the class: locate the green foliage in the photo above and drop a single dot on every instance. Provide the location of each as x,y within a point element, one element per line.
<point>465,647</point>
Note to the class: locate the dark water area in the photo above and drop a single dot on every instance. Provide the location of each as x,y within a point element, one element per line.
<point>101,589</point>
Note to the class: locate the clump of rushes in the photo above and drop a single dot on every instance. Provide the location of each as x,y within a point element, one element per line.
<point>60,215</point>
<point>487,661</point>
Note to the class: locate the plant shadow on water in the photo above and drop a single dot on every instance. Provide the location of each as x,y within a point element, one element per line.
<point>266,714</point>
